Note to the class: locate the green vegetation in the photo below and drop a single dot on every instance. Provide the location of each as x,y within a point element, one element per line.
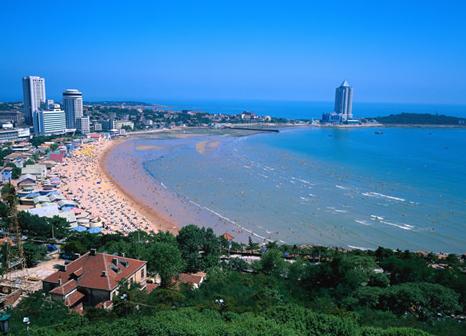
<point>323,292</point>
<point>420,119</point>
<point>10,106</point>
<point>15,172</point>
<point>36,229</point>
<point>39,140</point>
<point>3,153</point>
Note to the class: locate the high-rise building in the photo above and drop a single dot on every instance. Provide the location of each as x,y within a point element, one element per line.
<point>49,122</point>
<point>33,96</point>
<point>73,106</point>
<point>83,125</point>
<point>344,101</point>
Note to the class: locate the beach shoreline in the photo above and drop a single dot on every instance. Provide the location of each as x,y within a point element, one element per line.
<point>158,221</point>
<point>99,195</point>
<point>154,196</point>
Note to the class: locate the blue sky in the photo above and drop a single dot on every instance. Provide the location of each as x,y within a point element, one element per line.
<point>390,51</point>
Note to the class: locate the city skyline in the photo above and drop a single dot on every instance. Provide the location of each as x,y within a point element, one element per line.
<point>157,51</point>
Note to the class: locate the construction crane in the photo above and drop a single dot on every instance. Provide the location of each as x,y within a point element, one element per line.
<point>14,231</point>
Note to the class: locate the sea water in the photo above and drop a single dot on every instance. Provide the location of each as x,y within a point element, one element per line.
<point>405,188</point>
<point>309,109</point>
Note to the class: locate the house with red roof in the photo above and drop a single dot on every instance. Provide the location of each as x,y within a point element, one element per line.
<point>94,279</point>
<point>56,157</point>
<point>193,280</point>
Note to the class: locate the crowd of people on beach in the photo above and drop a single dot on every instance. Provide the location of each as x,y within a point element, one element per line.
<point>84,180</point>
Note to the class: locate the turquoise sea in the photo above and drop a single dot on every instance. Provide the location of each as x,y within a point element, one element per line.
<point>309,109</point>
<point>405,188</point>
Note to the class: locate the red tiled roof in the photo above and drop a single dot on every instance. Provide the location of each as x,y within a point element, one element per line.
<point>78,272</point>
<point>228,236</point>
<point>150,287</point>
<point>73,298</point>
<point>191,278</point>
<point>97,271</point>
<point>57,157</point>
<point>66,288</point>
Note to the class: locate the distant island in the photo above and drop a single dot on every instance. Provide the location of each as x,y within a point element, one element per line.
<point>419,119</point>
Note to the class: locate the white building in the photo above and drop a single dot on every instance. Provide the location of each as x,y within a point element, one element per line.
<point>73,106</point>
<point>119,124</point>
<point>97,126</point>
<point>83,125</point>
<point>33,96</point>
<point>50,122</point>
<point>344,101</point>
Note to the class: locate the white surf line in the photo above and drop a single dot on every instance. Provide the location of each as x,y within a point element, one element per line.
<point>401,225</point>
<point>375,217</point>
<point>362,222</point>
<point>230,221</point>
<point>379,195</point>
<point>359,248</point>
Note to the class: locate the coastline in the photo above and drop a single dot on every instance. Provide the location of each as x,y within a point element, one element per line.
<point>152,195</point>
<point>137,182</point>
<point>157,220</point>
<point>85,179</point>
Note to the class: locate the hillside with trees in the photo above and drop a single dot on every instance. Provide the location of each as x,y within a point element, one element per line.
<point>420,119</point>
<point>289,290</point>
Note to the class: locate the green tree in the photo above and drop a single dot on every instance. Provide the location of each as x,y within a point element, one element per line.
<point>165,259</point>
<point>33,253</point>
<point>200,248</point>
<point>272,262</point>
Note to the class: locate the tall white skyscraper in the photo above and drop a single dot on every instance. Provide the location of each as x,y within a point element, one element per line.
<point>33,96</point>
<point>73,106</point>
<point>344,101</point>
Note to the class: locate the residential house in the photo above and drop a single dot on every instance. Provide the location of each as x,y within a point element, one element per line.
<point>194,280</point>
<point>7,174</point>
<point>38,170</point>
<point>56,157</point>
<point>94,279</point>
<point>27,181</point>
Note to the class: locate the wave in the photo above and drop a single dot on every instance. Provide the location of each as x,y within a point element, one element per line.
<point>379,195</point>
<point>341,187</point>
<point>229,220</point>
<point>362,222</point>
<point>359,248</point>
<point>400,225</point>
<point>304,181</point>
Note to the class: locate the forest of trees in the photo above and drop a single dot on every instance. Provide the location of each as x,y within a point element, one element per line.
<point>420,119</point>
<point>323,292</point>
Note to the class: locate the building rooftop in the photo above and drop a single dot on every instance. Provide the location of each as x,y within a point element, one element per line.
<point>345,83</point>
<point>96,270</point>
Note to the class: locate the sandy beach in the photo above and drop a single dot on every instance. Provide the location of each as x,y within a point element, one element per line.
<point>124,165</point>
<point>86,181</point>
